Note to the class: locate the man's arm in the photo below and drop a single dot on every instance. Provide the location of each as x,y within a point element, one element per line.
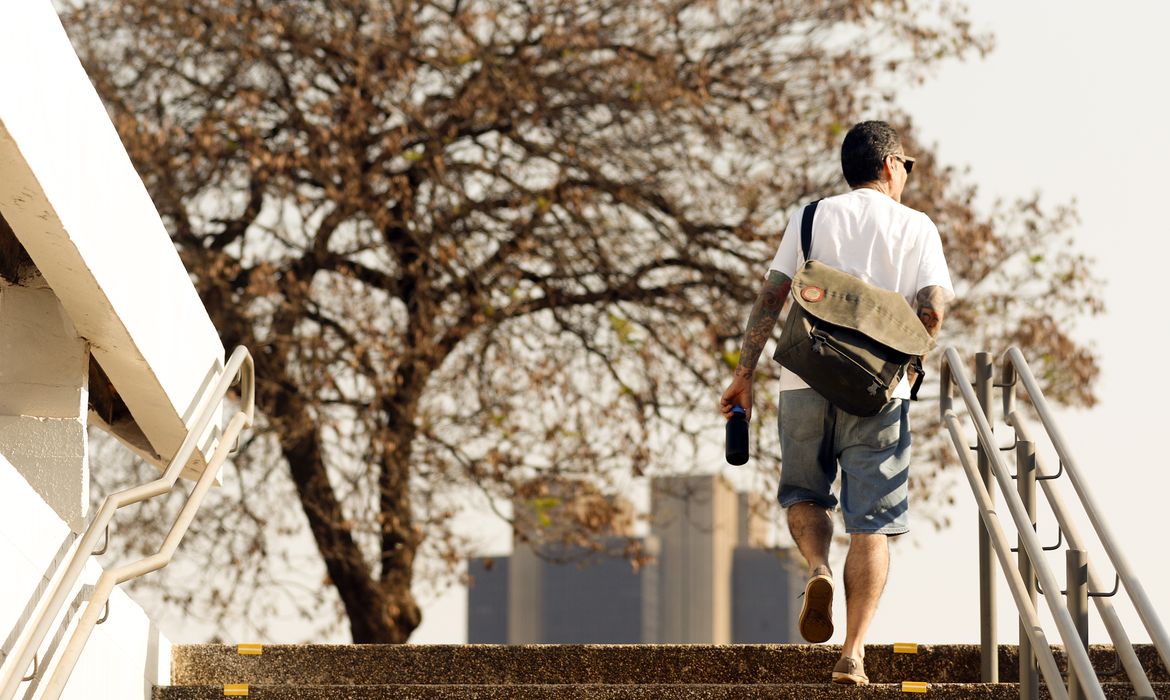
<point>932,306</point>
<point>760,324</point>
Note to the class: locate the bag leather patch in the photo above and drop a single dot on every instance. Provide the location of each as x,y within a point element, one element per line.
<point>812,294</point>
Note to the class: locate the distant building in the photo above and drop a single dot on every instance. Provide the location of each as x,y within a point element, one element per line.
<point>711,581</point>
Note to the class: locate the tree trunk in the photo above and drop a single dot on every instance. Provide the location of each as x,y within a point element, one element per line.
<point>400,538</point>
<point>348,570</point>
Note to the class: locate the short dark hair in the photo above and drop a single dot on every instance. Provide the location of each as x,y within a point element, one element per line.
<point>865,149</point>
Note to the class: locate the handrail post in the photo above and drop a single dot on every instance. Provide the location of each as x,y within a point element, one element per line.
<point>1026,484</point>
<point>1077,578</point>
<point>988,638</point>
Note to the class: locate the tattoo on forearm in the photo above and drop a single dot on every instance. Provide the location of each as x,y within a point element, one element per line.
<point>762,321</point>
<point>932,307</point>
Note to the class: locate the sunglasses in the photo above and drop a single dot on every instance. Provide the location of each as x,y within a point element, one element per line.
<point>906,161</point>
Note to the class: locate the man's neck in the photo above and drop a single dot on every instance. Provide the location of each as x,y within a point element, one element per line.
<point>878,186</point>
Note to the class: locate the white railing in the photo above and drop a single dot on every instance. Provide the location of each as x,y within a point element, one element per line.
<point>24,652</point>
<point>1025,578</point>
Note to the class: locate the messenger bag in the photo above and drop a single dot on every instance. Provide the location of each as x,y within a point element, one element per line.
<point>849,340</point>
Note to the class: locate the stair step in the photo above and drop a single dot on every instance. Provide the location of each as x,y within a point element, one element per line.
<point>791,691</point>
<point>758,664</point>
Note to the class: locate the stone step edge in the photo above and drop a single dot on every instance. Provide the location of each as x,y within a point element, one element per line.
<point>569,664</point>
<point>697,648</point>
<point>575,651</point>
<point>624,686</point>
<point>794,691</point>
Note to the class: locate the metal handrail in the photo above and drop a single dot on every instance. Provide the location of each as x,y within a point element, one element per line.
<point>1078,657</point>
<point>1016,371</point>
<point>239,366</point>
<point>1019,589</point>
<point>1113,626</point>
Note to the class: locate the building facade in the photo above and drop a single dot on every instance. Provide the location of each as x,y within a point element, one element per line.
<point>710,580</point>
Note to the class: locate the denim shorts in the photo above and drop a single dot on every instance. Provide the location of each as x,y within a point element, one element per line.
<point>873,453</point>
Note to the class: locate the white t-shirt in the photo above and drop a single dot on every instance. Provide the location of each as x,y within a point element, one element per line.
<point>867,234</point>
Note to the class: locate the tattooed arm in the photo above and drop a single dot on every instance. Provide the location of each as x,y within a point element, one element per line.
<point>760,324</point>
<point>932,306</point>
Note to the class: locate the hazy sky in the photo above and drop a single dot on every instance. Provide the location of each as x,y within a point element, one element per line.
<point>1072,103</point>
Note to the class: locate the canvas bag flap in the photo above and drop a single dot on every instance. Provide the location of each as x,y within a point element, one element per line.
<point>841,299</point>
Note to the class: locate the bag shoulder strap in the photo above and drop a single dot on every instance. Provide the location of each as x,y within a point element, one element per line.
<point>806,228</point>
<point>920,374</point>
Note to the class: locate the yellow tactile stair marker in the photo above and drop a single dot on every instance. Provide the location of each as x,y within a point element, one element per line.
<point>910,686</point>
<point>241,689</point>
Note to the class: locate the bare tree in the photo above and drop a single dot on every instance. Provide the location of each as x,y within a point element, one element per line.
<point>474,242</point>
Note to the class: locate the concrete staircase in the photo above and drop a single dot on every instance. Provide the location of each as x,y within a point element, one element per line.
<point>598,672</point>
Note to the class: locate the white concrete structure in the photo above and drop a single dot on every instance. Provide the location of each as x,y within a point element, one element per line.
<point>75,202</point>
<point>126,656</point>
<point>95,308</point>
<point>44,396</point>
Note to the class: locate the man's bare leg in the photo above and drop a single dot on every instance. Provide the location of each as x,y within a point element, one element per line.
<point>866,568</point>
<point>812,531</point>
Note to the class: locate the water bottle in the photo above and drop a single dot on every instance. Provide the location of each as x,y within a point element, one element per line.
<point>737,436</point>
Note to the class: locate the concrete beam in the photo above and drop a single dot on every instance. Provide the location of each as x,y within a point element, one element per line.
<point>73,199</point>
